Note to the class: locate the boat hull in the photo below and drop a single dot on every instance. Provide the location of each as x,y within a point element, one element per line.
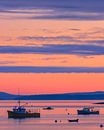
<point>80,112</point>
<point>12,114</point>
<point>48,108</point>
<point>75,120</point>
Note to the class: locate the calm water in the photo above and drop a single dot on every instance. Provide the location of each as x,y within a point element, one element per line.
<point>60,112</point>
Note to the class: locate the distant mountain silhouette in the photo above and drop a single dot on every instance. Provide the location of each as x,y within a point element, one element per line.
<point>98,95</point>
<point>6,96</point>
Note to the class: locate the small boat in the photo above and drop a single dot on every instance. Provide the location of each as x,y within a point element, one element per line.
<point>87,111</point>
<point>48,108</point>
<point>21,112</point>
<point>73,120</point>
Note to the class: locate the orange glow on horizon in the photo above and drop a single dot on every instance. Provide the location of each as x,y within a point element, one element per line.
<point>51,83</point>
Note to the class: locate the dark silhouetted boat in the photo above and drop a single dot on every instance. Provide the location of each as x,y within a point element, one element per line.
<point>87,111</point>
<point>21,112</point>
<point>48,108</point>
<point>73,120</point>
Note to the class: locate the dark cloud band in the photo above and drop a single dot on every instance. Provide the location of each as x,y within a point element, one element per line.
<point>54,49</point>
<point>31,69</point>
<point>60,9</point>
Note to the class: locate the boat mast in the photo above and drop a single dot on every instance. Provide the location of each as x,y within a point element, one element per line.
<point>19,97</point>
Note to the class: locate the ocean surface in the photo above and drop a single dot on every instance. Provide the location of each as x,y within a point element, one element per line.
<point>48,117</point>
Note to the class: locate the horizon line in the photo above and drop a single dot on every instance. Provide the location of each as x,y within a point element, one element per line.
<point>54,93</point>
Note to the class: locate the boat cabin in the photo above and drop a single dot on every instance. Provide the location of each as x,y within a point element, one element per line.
<point>19,109</point>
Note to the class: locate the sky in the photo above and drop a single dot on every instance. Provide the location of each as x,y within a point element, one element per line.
<point>51,46</point>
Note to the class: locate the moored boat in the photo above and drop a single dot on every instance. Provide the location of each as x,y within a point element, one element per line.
<point>48,108</point>
<point>73,120</point>
<point>87,111</point>
<point>21,112</point>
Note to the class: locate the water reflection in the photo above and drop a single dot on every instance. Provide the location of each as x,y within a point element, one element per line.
<point>63,111</point>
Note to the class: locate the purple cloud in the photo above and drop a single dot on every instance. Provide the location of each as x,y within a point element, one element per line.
<point>55,9</point>
<point>35,69</point>
<point>55,49</point>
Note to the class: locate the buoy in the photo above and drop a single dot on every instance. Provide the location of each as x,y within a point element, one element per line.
<point>101,125</point>
<point>55,121</point>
